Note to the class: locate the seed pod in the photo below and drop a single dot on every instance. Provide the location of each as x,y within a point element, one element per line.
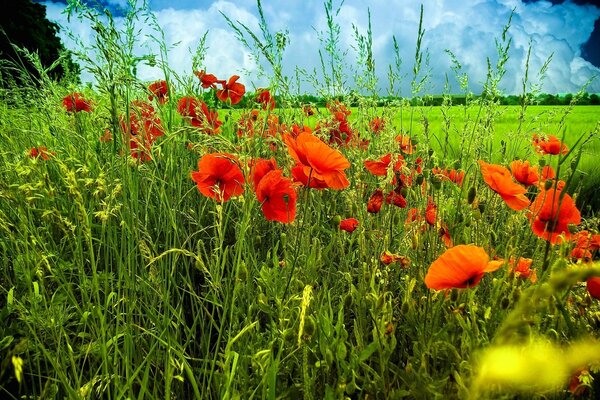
<point>572,228</point>
<point>336,220</point>
<point>481,207</point>
<point>419,179</point>
<point>405,308</point>
<point>309,327</point>
<point>516,294</point>
<point>504,303</point>
<point>542,162</point>
<point>471,195</point>
<point>454,295</point>
<point>548,184</point>
<point>430,152</point>
<point>574,163</point>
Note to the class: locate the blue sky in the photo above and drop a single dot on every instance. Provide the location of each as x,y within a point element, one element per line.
<point>469,28</point>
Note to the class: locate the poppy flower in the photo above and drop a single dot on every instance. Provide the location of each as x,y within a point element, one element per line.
<point>548,220</point>
<point>585,244</point>
<point>375,202</point>
<point>524,173</point>
<point>277,196</point>
<point>75,102</point>
<point>160,91</point>
<point>41,152</point>
<point>199,115</point>
<point>349,224</point>
<point>106,137</point>
<point>377,125</point>
<point>143,123</point>
<point>232,91</point>
<point>308,111</point>
<point>548,172</point>
<point>405,143</point>
<point>521,268</point>
<point>461,266</point>
<point>575,386</point>
<point>139,148</point>
<point>549,144</point>
<point>431,212</point>
<point>500,181</point>
<point>396,198</point>
<point>380,167</point>
<point>207,80</point>
<point>263,97</point>
<point>318,160</point>
<point>299,175</point>
<point>451,175</point>
<point>259,168</point>
<point>593,287</point>
<point>388,258</point>
<point>219,176</point>
<point>444,234</point>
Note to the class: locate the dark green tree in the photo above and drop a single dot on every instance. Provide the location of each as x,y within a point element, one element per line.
<point>26,26</point>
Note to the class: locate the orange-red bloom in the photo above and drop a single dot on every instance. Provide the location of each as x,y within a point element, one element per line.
<point>160,91</point>
<point>318,160</point>
<point>232,91</point>
<point>451,175</point>
<point>349,224</point>
<point>377,125</point>
<point>461,266</point>
<point>380,167</point>
<point>431,212</point>
<point>207,80</point>
<point>388,258</point>
<point>277,196</point>
<point>500,181</point>
<point>219,176</point>
<point>524,173</point>
<point>261,167</point>
<point>405,144</point>
<point>75,102</point>
<point>263,96</point>
<point>549,144</point>
<point>593,287</point>
<point>199,115</point>
<point>585,244</point>
<point>522,268</point>
<point>548,220</point>
<point>41,152</point>
<point>375,202</point>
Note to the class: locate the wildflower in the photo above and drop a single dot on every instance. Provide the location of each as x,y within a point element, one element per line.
<point>259,168</point>
<point>299,175</point>
<point>41,152</point>
<point>430,212</point>
<point>75,102</point>
<point>524,173</point>
<point>377,125</point>
<point>219,176</point>
<point>308,111</point>
<point>585,244</point>
<point>405,144</point>
<point>106,137</point>
<point>451,175</point>
<point>160,91</point>
<point>207,80</point>
<point>349,224</point>
<point>461,266</point>
<point>318,160</point>
<point>444,234</point>
<point>593,287</point>
<point>522,268</point>
<point>388,258</point>
<point>548,220</point>
<point>396,198</point>
<point>199,115</point>
<point>380,167</point>
<point>277,196</point>
<point>263,96</point>
<point>549,144</point>
<point>231,91</point>
<point>575,384</point>
<point>375,202</point>
<point>500,181</point>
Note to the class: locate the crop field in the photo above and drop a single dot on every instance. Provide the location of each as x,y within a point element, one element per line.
<point>192,238</point>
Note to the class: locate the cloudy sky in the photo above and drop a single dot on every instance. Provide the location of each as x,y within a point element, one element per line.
<point>469,28</point>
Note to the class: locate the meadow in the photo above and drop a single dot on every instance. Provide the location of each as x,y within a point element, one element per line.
<point>156,242</point>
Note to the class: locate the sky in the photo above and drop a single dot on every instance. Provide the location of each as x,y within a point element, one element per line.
<point>568,30</point>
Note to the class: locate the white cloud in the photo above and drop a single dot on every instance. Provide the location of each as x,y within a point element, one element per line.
<point>468,28</point>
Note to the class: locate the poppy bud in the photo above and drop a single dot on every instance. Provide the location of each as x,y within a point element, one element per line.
<point>436,182</point>
<point>404,191</point>
<point>481,207</point>
<point>405,308</point>
<point>574,163</point>
<point>542,162</point>
<point>504,303</point>
<point>516,294</point>
<point>548,184</point>
<point>336,220</point>
<point>457,164</point>
<point>454,295</point>
<point>309,327</point>
<point>471,195</point>
<point>419,179</point>
<point>328,356</point>
<point>348,301</point>
<point>289,335</point>
<point>430,152</point>
<point>243,272</point>
<point>351,387</point>
<point>572,228</point>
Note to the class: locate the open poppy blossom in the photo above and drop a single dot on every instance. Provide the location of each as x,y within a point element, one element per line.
<point>521,268</point>
<point>259,168</point>
<point>197,112</point>
<point>380,167</point>
<point>376,125</point>
<point>524,173</point>
<point>160,91</point>
<point>219,176</point>
<point>549,144</point>
<point>375,202</point>
<point>318,160</point>
<point>586,244</point>
<point>277,196</point>
<point>232,91</point>
<point>263,97</point>
<point>396,198</point>
<point>388,258</point>
<point>405,143</point>
<point>500,181</point>
<point>446,174</point>
<point>548,220</point>
<point>461,266</point>
<point>207,80</point>
<point>349,224</point>
<point>41,152</point>
<point>75,102</point>
<point>593,287</point>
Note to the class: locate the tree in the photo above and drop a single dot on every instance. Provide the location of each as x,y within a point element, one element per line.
<point>26,26</point>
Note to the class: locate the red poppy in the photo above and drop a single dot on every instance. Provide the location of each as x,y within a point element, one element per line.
<point>388,258</point>
<point>461,266</point>
<point>451,175</point>
<point>318,160</point>
<point>199,115</point>
<point>41,152</point>
<point>160,91</point>
<point>232,91</point>
<point>106,137</point>
<point>380,167</point>
<point>431,212</point>
<point>263,97</point>
<point>377,125</point>
<point>549,144</point>
<point>585,244</point>
<point>140,148</point>
<point>524,173</point>
<point>396,198</point>
<point>219,176</point>
<point>308,111</point>
<point>405,144</point>
<point>548,172</point>
<point>593,287</point>
<point>277,196</point>
<point>207,80</point>
<point>375,202</point>
<point>299,175</point>
<point>144,125</point>
<point>349,224</point>
<point>522,268</point>
<point>548,220</point>
<point>261,167</point>
<point>444,234</point>
<point>500,181</point>
<point>75,102</point>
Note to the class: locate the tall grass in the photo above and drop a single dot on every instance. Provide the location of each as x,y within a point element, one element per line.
<point>120,280</point>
